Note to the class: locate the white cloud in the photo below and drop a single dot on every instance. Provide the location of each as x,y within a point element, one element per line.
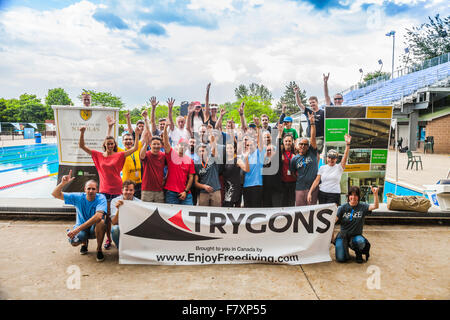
<point>272,43</point>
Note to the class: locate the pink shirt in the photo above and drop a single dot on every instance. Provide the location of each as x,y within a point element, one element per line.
<point>178,170</point>
<point>109,169</point>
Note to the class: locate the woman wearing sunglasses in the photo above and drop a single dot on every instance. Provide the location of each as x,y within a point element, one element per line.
<point>329,176</point>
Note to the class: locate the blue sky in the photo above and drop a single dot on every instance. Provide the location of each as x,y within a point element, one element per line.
<point>173,48</point>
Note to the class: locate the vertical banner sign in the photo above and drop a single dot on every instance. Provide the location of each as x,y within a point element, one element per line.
<point>370,131</point>
<point>163,234</point>
<point>68,121</point>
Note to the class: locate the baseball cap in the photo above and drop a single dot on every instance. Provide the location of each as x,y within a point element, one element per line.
<point>197,104</point>
<point>332,154</point>
<point>287,119</point>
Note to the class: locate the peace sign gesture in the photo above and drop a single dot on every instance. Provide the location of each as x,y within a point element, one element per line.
<point>67,178</point>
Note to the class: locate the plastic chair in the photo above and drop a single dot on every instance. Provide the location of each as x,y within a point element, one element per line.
<point>429,144</point>
<point>414,160</point>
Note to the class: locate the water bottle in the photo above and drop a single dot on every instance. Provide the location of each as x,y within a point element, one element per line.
<point>74,239</point>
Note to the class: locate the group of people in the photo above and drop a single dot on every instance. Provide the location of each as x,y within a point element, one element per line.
<point>194,161</point>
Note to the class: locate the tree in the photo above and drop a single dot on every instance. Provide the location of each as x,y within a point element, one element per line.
<point>253,90</point>
<point>56,96</point>
<point>428,40</point>
<point>104,99</point>
<point>289,99</point>
<point>376,74</point>
<point>253,108</point>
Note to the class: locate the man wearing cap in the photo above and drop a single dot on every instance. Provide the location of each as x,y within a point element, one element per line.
<point>288,128</point>
<point>329,176</point>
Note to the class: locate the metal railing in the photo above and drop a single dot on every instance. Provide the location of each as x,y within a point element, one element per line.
<point>444,58</point>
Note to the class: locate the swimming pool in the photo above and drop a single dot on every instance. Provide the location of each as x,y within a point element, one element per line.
<point>37,164</point>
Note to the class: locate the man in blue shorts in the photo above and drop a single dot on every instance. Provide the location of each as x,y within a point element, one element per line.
<point>91,208</point>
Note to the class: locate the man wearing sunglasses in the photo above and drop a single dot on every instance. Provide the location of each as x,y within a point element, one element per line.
<point>304,166</point>
<point>338,99</point>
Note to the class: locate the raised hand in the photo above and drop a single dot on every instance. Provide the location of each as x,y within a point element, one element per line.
<point>170,103</point>
<point>67,178</point>
<point>110,121</point>
<point>208,86</point>
<point>283,107</point>
<point>296,89</point>
<point>191,107</point>
<point>127,115</point>
<point>222,112</point>
<point>137,131</point>
<point>241,108</point>
<point>312,117</point>
<point>326,77</point>
<point>82,129</point>
<point>144,113</point>
<point>348,138</point>
<point>153,102</point>
<point>374,190</point>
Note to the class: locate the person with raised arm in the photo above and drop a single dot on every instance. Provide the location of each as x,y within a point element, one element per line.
<point>351,216</point>
<point>210,110</point>
<point>90,208</point>
<point>253,182</point>
<point>319,119</point>
<point>304,166</point>
<point>156,130</point>
<point>109,164</point>
<point>329,176</point>
<point>180,172</point>
<point>153,164</point>
<point>338,98</point>
<point>178,132</point>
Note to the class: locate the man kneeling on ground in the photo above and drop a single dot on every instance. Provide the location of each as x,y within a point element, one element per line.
<point>91,209</point>
<point>127,194</point>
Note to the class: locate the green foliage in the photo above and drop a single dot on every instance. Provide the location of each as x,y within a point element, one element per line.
<point>289,99</point>
<point>373,75</point>
<point>105,99</point>
<point>428,40</point>
<point>28,108</point>
<point>253,108</point>
<point>56,96</point>
<point>162,111</point>
<point>258,91</point>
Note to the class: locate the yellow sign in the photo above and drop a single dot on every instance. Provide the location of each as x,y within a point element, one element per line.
<point>379,112</point>
<point>85,114</point>
<point>357,167</point>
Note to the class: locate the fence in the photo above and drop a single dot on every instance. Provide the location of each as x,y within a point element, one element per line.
<point>9,132</point>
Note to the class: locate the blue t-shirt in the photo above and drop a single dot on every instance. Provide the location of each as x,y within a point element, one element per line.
<point>306,168</point>
<point>254,176</point>
<point>85,209</point>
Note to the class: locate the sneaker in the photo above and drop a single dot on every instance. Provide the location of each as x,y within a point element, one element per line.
<point>107,244</point>
<point>84,249</point>
<point>359,258</point>
<point>100,256</point>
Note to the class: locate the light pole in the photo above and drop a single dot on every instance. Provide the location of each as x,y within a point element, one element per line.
<point>361,71</point>
<point>380,62</point>
<point>392,33</point>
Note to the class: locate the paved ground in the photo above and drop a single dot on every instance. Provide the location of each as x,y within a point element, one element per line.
<point>20,142</point>
<point>435,167</point>
<point>35,263</point>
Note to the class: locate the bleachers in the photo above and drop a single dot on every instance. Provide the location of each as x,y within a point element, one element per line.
<point>389,91</point>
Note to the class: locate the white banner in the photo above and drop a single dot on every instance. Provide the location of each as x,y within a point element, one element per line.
<point>163,234</point>
<point>68,122</point>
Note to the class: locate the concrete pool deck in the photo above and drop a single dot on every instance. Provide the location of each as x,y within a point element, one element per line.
<point>410,263</point>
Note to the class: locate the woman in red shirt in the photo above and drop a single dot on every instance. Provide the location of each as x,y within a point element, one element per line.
<point>109,164</point>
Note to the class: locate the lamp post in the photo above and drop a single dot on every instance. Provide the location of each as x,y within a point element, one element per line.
<point>361,71</point>
<point>392,33</point>
<point>380,62</point>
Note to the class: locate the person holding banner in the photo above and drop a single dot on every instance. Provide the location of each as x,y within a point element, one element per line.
<point>352,215</point>
<point>180,172</point>
<point>109,164</point>
<point>128,190</point>
<point>329,176</point>
<point>91,208</point>
<point>304,166</point>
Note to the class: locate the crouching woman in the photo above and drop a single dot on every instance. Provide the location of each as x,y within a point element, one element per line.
<point>351,216</point>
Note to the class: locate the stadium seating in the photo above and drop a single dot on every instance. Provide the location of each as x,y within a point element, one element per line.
<point>389,91</point>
